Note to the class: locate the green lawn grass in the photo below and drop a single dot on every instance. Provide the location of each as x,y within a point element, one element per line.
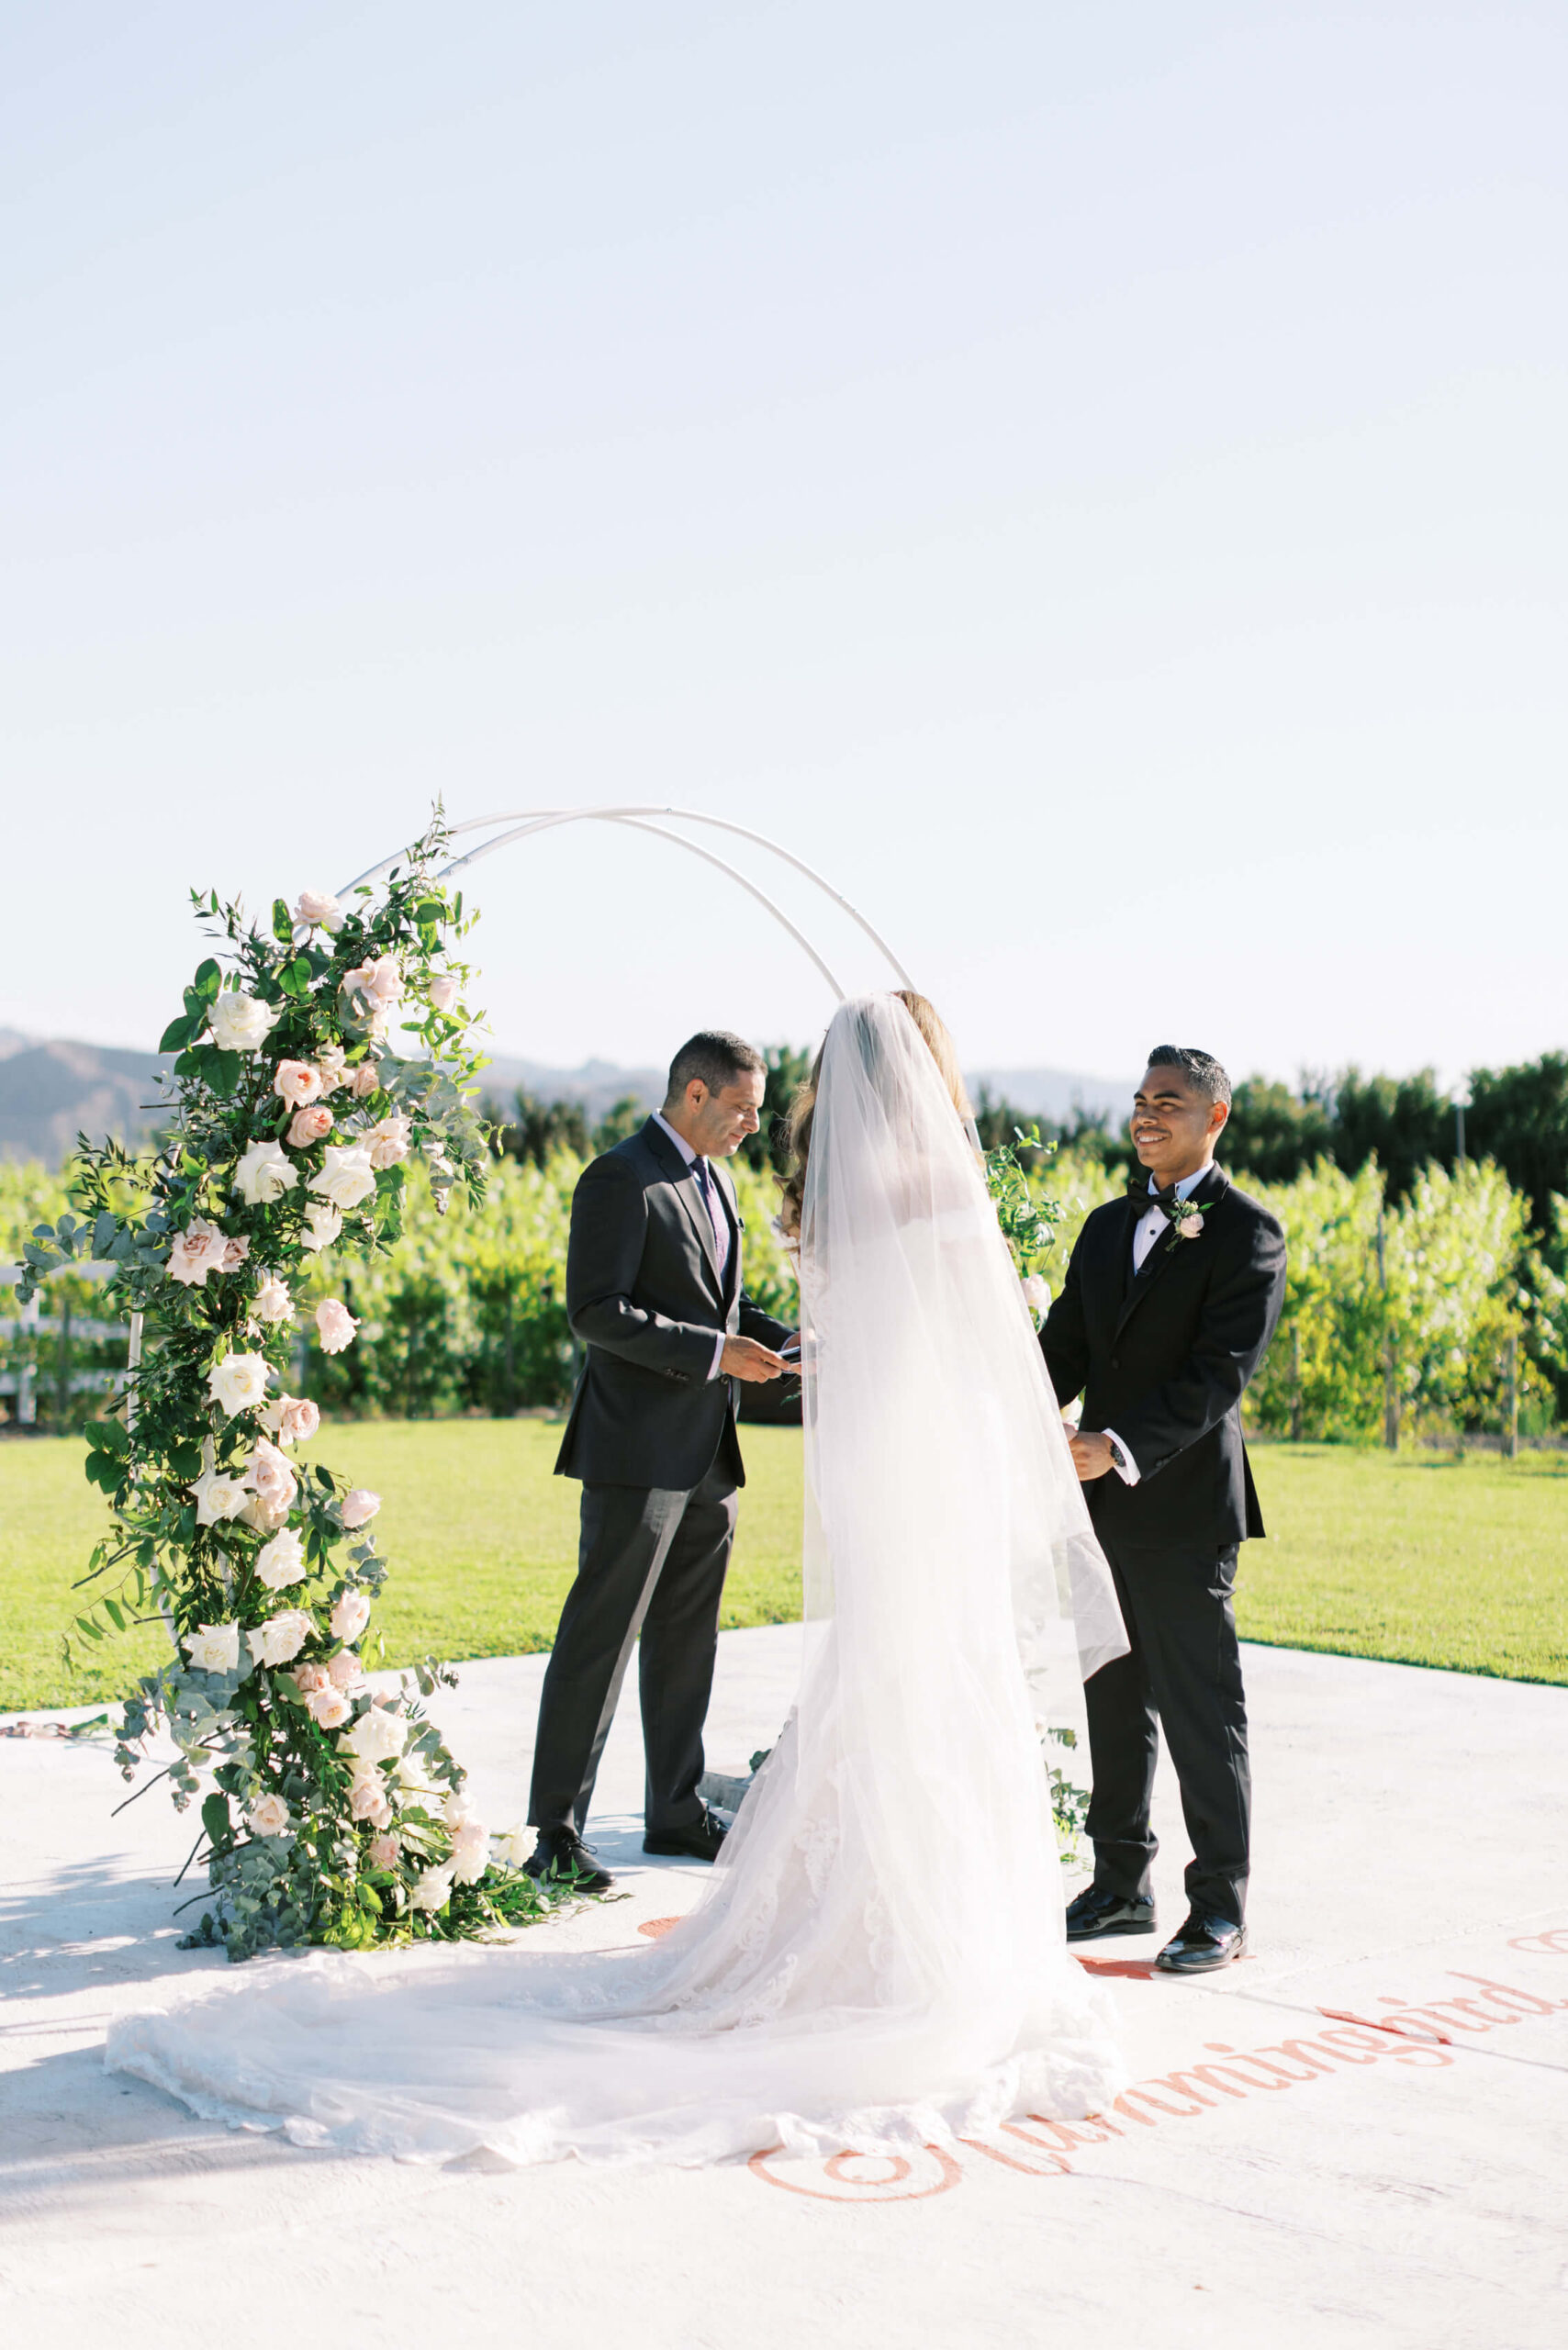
<point>1423,1560</point>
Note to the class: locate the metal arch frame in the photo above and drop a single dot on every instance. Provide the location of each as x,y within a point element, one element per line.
<point>522,823</point>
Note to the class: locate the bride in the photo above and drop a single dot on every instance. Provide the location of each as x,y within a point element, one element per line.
<point>878,1959</point>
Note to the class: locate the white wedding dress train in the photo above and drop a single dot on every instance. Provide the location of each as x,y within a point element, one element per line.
<point>878,1959</point>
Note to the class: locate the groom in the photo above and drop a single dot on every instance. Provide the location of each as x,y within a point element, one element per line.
<point>653,1291</point>
<point>1169,1302</point>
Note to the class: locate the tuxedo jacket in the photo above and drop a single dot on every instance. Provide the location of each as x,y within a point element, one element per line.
<point>1162,1357</point>
<point>644,1293</point>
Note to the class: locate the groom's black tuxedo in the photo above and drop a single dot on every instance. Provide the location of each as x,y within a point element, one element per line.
<point>1161,1357</point>
<point>652,1435</point>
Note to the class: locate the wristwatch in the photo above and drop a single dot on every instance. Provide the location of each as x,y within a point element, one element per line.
<point>1118,1456</point>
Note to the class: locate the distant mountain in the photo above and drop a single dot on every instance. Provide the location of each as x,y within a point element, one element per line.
<point>598,1085</point>
<point>1055,1093</point>
<point>51,1091</point>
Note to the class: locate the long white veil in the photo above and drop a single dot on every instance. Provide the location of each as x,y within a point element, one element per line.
<point>878,1959</point>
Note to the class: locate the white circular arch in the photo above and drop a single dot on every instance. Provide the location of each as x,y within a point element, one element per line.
<point>521,823</point>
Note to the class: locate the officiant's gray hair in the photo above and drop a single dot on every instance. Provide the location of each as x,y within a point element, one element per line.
<point>1201,1071</point>
<point>714,1055</point>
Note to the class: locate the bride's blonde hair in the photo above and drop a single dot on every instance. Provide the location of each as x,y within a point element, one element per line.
<point>798,1126</point>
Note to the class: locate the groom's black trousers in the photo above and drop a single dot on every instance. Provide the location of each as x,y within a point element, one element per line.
<point>1183,1672</point>
<point>651,1562</point>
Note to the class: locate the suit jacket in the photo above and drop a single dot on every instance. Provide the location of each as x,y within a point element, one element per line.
<point>1163,1357</point>
<point>644,1295</point>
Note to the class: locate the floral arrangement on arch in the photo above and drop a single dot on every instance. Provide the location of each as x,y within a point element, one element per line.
<point>332,1814</point>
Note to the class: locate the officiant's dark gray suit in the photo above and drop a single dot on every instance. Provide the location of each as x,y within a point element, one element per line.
<point>652,1435</point>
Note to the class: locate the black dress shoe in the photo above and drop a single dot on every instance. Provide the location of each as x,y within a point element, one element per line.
<point>1205,1943</point>
<point>1099,1911</point>
<point>700,1841</point>
<point>561,1856</point>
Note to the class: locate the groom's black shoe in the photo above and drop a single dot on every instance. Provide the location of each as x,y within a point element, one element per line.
<point>1099,1911</point>
<point>1205,1943</point>
<point>700,1841</point>
<point>561,1852</point>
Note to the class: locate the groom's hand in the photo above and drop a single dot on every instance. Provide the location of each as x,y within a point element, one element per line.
<point>1090,1457</point>
<point>744,1358</point>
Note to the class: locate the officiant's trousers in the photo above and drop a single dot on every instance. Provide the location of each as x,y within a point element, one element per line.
<point>651,1563</point>
<point>1182,1673</point>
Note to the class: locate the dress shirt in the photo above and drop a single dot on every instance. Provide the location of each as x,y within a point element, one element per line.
<point>1145,1232</point>
<point>716,1216</point>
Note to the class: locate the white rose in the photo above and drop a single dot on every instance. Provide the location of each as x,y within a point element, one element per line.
<point>214,1647</point>
<point>331,1060</point>
<point>459,1809</point>
<point>318,906</point>
<point>415,1776</point>
<point>347,1176</point>
<point>263,1516</point>
<point>268,1816</point>
<point>431,1890</point>
<point>239,1383</point>
<point>335,1325</point>
<point>1037,1295</point>
<point>264,1174</point>
<point>293,1419</point>
<point>281,1560</point>
<point>351,1613</point>
<point>470,1853</point>
<point>514,1845</point>
<point>271,1302</point>
<point>358,1507</point>
<point>444,991</point>
<point>238,1024</point>
<point>377,1736</point>
<point>388,1140</point>
<point>322,1226</point>
<point>280,1638</point>
<point>200,1249</point>
<point>219,1494</point>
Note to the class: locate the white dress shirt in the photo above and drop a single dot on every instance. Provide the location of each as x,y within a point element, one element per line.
<point>716,1217</point>
<point>1145,1232</point>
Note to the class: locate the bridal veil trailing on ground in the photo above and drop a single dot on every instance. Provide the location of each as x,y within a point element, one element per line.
<point>878,1959</point>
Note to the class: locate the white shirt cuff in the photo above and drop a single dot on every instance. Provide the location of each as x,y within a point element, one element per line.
<point>718,1354</point>
<point>1122,1459</point>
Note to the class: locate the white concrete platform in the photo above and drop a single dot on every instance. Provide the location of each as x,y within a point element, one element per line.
<point>1397,2180</point>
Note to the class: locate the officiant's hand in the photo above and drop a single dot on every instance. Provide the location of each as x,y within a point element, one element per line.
<point>744,1358</point>
<point>1090,1457</point>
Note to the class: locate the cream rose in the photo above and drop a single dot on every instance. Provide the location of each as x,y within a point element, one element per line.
<point>351,1613</point>
<point>219,1494</point>
<point>264,1174</point>
<point>347,1176</point>
<point>366,1081</point>
<point>332,1061</point>
<point>470,1853</point>
<point>335,1325</point>
<point>345,1671</point>
<point>319,907</point>
<point>266,1517</point>
<point>198,1250</point>
<point>271,1302</point>
<point>431,1890</point>
<point>322,1226</point>
<point>378,982</point>
<point>268,1816</point>
<point>389,1139</point>
<point>239,1383</point>
<point>415,1776</point>
<point>214,1647</point>
<point>310,1126</point>
<point>377,1736</point>
<point>282,1561</point>
<point>297,1082</point>
<point>238,1024</point>
<point>358,1507</point>
<point>514,1845</point>
<point>382,1852</point>
<point>442,990</point>
<point>293,1419</point>
<point>280,1638</point>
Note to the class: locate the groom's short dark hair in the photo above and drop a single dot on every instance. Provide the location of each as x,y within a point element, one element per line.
<point>1201,1069</point>
<point>714,1055</point>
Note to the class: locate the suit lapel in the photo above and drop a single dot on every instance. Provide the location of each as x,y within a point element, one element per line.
<point>683,1183</point>
<point>1212,1188</point>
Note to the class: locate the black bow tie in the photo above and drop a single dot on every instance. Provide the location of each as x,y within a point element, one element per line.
<point>1144,1199</point>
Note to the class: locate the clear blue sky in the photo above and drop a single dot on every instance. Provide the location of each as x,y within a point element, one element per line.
<point>1093,479</point>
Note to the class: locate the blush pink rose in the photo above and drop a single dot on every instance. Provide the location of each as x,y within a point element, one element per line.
<point>368,1799</point>
<point>378,981</point>
<point>308,1678</point>
<point>351,1613</point>
<point>293,1419</point>
<point>388,1140</point>
<point>336,1325</point>
<point>234,1254</point>
<point>318,906</point>
<point>382,1852</point>
<point>366,1081</point>
<point>313,1123</point>
<point>327,1707</point>
<point>358,1507</point>
<point>297,1082</point>
<point>200,1249</point>
<point>345,1671</point>
<point>444,991</point>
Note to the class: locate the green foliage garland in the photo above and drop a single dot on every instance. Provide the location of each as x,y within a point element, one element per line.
<point>330,1815</point>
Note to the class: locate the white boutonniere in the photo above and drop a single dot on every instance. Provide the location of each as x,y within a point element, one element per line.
<point>1187,1222</point>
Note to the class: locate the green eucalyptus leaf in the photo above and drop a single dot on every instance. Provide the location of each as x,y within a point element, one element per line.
<point>283,923</point>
